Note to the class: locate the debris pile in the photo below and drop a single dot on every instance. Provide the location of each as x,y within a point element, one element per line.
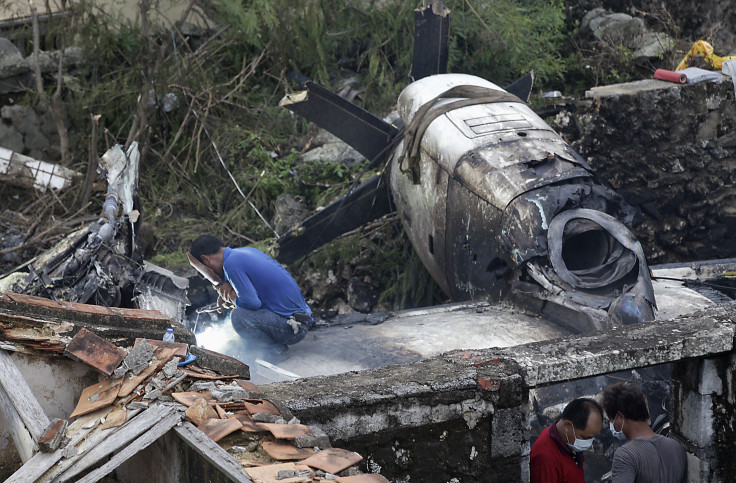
<point>156,387</point>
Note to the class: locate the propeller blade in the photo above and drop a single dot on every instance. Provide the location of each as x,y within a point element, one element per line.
<point>365,203</point>
<point>368,134</point>
<point>522,87</point>
<point>431,41</point>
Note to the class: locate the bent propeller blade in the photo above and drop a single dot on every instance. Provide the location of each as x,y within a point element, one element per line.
<point>368,134</point>
<point>365,203</point>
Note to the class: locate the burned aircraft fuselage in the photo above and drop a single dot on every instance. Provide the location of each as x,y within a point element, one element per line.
<point>497,200</point>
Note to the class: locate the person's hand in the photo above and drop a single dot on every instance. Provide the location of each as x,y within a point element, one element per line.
<point>226,292</point>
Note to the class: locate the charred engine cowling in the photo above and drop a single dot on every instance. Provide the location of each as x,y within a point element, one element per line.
<point>496,202</point>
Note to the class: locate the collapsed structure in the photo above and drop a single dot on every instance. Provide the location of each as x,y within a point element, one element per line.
<point>150,395</point>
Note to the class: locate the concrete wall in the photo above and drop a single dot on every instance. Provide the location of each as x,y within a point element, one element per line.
<point>466,414</point>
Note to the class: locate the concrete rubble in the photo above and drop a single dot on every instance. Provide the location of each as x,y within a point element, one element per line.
<point>151,393</point>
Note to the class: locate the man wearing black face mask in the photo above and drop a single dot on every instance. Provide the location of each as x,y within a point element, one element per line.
<point>648,457</point>
<point>557,454</point>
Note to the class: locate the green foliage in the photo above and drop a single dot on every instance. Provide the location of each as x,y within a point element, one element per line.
<point>504,39</point>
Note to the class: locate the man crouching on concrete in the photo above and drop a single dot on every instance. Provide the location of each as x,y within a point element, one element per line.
<point>270,312</point>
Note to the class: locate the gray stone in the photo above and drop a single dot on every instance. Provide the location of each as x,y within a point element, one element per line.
<point>507,433</point>
<point>290,211</point>
<point>220,363</point>
<point>319,439</point>
<point>696,419</point>
<point>652,45</point>
<point>709,382</point>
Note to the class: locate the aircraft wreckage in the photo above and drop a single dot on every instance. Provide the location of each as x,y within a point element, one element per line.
<point>494,201</point>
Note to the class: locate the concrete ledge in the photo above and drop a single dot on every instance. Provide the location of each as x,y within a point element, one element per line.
<point>557,360</point>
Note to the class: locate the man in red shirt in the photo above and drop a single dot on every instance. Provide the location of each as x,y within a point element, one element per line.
<point>557,454</point>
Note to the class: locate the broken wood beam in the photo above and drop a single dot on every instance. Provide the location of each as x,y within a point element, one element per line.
<point>212,452</point>
<point>35,324</point>
<point>21,398</point>
<point>11,420</point>
<point>159,429</point>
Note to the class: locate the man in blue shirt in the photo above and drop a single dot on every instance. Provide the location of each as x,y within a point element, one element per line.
<point>270,308</point>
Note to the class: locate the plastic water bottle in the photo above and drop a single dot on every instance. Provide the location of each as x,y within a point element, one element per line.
<point>169,335</point>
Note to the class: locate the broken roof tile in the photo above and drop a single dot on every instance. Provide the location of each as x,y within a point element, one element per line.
<point>116,418</point>
<point>216,429</point>
<point>97,396</point>
<point>333,460</point>
<point>255,406</point>
<point>284,451</point>
<point>247,385</point>
<point>366,478</point>
<point>288,431</point>
<point>96,352</point>
<point>189,398</point>
<point>270,473</point>
<point>200,412</point>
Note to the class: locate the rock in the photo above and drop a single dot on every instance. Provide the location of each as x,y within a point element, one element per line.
<point>361,296</point>
<point>290,211</point>
<point>220,363</point>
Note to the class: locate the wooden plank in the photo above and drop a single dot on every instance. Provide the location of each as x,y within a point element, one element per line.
<point>158,430</point>
<point>13,423</point>
<point>32,470</point>
<point>21,397</point>
<point>212,452</point>
<point>42,462</point>
<point>124,435</point>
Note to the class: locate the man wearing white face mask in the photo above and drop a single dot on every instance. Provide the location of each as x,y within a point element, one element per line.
<point>557,454</point>
<point>648,456</point>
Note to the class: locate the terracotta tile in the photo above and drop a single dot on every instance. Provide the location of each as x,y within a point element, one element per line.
<point>96,352</point>
<point>268,474</point>
<point>285,451</point>
<point>249,426</point>
<point>181,347</point>
<point>366,478</point>
<point>288,431</point>
<point>233,406</point>
<point>333,460</point>
<point>117,417</point>
<point>220,412</point>
<point>216,429</point>
<point>189,398</point>
<point>255,406</point>
<point>200,411</point>
<point>248,386</point>
<point>97,396</point>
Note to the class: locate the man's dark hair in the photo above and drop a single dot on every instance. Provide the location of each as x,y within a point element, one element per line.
<point>205,245</point>
<point>628,399</point>
<point>578,411</point>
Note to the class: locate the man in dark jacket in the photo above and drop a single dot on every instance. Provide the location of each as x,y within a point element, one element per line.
<point>270,308</point>
<point>557,454</point>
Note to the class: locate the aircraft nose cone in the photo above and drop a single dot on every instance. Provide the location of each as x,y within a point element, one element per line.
<point>630,309</point>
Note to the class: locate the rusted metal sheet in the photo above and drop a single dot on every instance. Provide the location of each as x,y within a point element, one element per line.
<point>95,351</point>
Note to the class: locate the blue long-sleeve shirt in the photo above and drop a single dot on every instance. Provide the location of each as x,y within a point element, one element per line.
<point>262,283</point>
